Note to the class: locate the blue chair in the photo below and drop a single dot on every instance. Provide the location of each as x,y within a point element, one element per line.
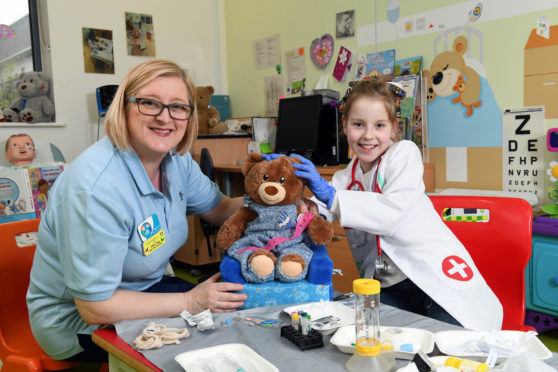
<point>317,285</point>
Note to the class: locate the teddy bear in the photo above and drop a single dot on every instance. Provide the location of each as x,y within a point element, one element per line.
<point>268,235</point>
<point>445,71</point>
<point>208,117</point>
<point>34,106</point>
<point>460,86</point>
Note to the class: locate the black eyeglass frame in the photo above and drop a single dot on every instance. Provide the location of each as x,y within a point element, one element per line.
<point>163,106</point>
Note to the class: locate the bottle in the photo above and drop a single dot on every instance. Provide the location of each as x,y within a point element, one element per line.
<point>370,354</point>
<point>466,365</point>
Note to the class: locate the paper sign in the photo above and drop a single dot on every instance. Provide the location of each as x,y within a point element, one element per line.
<point>523,146</point>
<point>542,27</point>
<point>343,64</point>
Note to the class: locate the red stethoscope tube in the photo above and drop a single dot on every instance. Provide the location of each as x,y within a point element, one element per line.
<point>376,188</point>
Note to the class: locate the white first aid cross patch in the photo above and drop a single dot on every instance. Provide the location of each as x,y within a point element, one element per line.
<point>456,271</point>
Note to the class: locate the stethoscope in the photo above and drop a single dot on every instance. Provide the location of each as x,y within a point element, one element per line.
<point>381,265</point>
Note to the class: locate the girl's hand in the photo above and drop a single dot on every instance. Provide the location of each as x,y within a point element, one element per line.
<point>308,206</point>
<point>214,295</point>
<point>320,187</point>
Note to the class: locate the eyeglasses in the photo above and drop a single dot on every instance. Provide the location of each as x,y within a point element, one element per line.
<point>152,107</point>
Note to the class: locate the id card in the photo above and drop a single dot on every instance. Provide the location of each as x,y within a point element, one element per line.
<point>151,234</point>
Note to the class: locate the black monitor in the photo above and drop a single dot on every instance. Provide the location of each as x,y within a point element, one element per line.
<point>298,125</point>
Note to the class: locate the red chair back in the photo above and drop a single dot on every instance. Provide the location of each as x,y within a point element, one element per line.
<point>18,349</point>
<point>500,246</point>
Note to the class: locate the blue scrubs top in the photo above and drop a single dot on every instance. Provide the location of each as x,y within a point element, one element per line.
<point>102,212</point>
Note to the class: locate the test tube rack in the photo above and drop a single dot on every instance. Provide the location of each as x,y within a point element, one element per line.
<point>312,340</point>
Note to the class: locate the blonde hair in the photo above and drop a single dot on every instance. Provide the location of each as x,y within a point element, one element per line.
<point>115,122</point>
<point>17,135</point>
<point>376,89</point>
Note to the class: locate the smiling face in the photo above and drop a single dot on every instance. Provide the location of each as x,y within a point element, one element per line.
<point>20,151</point>
<point>369,130</point>
<point>152,137</point>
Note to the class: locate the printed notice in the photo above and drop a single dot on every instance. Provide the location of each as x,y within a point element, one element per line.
<point>273,86</point>
<point>296,72</point>
<point>267,52</point>
<point>524,141</point>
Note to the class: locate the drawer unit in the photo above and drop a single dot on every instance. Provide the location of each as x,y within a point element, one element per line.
<point>541,275</point>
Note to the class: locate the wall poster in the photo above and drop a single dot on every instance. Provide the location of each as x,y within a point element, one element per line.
<point>523,146</point>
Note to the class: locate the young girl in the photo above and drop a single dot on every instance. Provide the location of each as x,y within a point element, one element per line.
<point>394,232</point>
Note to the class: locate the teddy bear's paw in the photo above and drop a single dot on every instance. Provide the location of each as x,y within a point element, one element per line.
<point>320,231</point>
<point>27,117</point>
<point>262,262</point>
<point>292,265</point>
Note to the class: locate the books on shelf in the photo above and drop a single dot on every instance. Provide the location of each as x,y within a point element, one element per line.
<point>381,64</point>
<point>407,66</point>
<point>24,191</point>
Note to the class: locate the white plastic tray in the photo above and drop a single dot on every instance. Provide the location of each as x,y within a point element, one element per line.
<point>318,310</point>
<point>243,356</point>
<point>449,342</point>
<point>438,361</point>
<point>344,339</point>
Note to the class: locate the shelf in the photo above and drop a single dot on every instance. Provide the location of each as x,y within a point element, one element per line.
<point>24,125</point>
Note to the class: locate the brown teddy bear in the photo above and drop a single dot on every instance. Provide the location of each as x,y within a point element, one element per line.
<point>268,235</point>
<point>446,69</point>
<point>208,117</point>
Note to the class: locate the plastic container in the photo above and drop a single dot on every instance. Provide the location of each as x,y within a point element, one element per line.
<point>370,354</point>
<point>466,365</point>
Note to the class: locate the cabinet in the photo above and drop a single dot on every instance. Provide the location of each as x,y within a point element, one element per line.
<point>541,275</point>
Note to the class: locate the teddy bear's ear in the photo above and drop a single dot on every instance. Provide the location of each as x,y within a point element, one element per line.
<point>250,161</point>
<point>460,44</point>
<point>210,89</point>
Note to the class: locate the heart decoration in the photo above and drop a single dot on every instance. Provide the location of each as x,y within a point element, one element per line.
<point>321,50</point>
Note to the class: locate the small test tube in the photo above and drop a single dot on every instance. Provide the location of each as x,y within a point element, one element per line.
<point>304,325</point>
<point>295,322</point>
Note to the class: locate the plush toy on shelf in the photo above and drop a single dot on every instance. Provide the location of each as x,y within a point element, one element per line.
<point>34,106</point>
<point>269,236</point>
<point>208,117</point>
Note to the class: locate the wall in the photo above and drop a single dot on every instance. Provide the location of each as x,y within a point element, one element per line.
<point>186,31</point>
<point>505,25</point>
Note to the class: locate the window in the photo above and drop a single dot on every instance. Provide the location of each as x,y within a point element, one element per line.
<point>19,46</point>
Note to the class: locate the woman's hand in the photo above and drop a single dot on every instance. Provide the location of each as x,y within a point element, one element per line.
<point>214,295</point>
<point>308,206</point>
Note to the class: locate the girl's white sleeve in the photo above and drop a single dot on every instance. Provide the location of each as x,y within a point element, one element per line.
<point>400,178</point>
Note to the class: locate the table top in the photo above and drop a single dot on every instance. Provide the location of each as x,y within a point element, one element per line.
<point>265,341</point>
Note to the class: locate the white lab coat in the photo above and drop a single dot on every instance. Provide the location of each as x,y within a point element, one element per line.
<point>413,236</point>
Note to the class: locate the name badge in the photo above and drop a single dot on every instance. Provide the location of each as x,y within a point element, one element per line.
<point>151,234</point>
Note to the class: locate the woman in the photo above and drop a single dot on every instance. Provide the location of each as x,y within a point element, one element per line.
<point>117,215</point>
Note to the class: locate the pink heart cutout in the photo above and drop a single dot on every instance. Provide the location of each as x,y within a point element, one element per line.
<point>321,50</point>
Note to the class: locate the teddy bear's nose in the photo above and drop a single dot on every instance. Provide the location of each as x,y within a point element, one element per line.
<point>437,79</point>
<point>23,86</point>
<point>271,190</point>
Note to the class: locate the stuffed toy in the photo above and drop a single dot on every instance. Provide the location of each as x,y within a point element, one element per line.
<point>34,106</point>
<point>208,117</point>
<point>268,235</point>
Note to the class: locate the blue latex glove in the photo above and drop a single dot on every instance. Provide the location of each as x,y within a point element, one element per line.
<point>320,187</point>
<point>270,157</point>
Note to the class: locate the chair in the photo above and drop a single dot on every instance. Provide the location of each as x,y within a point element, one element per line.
<point>206,166</point>
<point>317,286</point>
<point>500,247</point>
<point>18,349</point>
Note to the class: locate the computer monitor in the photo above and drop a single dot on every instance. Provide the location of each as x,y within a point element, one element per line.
<point>298,125</point>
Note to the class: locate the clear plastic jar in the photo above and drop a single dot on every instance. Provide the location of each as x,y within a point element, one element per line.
<point>367,316</point>
<point>371,354</point>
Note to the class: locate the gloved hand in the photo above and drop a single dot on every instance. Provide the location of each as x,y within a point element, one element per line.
<point>320,187</point>
<point>270,157</point>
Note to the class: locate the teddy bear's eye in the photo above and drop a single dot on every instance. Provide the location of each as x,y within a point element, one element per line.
<point>282,180</point>
<point>265,177</point>
<point>445,68</point>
